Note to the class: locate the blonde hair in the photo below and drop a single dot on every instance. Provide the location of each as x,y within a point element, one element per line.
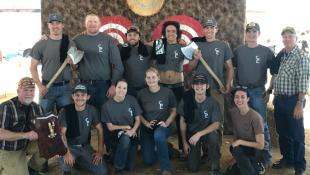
<point>152,69</point>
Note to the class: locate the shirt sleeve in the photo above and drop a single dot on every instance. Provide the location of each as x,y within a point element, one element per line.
<point>105,118</point>
<point>258,125</point>
<point>228,52</point>
<point>172,100</point>
<point>62,118</point>
<point>138,110</point>
<point>116,61</point>
<point>36,51</point>
<point>303,74</point>
<point>270,58</point>
<point>4,117</point>
<point>95,116</point>
<point>180,109</point>
<point>216,115</point>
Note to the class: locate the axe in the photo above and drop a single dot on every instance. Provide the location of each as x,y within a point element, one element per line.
<point>75,55</point>
<point>188,51</point>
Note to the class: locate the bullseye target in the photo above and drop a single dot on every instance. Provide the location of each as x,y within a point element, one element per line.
<point>115,26</point>
<point>189,26</point>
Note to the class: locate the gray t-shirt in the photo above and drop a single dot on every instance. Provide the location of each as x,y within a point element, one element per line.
<point>206,113</point>
<point>215,53</point>
<point>247,126</point>
<point>252,64</point>
<point>120,113</point>
<point>102,60</point>
<point>156,106</point>
<point>48,53</point>
<point>87,118</point>
<point>174,58</point>
<point>135,67</point>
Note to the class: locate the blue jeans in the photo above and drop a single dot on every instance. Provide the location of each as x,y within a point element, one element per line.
<point>125,153</point>
<point>59,95</point>
<point>291,131</point>
<point>154,146</point>
<point>84,157</point>
<point>98,93</point>
<point>258,104</point>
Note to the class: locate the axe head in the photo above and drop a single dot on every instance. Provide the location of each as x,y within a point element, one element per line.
<point>75,55</point>
<point>189,50</point>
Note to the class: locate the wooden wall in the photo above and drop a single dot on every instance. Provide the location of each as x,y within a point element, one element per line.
<point>230,15</point>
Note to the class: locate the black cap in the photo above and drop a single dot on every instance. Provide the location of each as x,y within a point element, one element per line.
<point>55,17</point>
<point>133,29</point>
<point>80,88</point>
<point>199,78</point>
<point>211,22</point>
<point>253,26</point>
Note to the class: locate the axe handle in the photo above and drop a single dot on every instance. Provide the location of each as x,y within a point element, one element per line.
<point>57,74</point>
<point>205,64</point>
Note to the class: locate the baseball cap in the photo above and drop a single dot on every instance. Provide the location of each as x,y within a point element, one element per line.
<point>288,29</point>
<point>55,17</point>
<point>253,26</point>
<point>80,88</point>
<point>26,82</point>
<point>199,78</point>
<point>133,29</point>
<point>210,22</point>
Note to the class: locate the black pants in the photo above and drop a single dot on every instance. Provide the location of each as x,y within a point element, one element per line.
<point>210,140</point>
<point>246,159</point>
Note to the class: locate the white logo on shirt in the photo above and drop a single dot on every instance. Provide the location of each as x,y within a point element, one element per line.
<point>257,59</point>
<point>206,114</point>
<point>176,54</point>
<point>161,105</point>
<point>87,121</point>
<point>130,110</point>
<point>100,48</point>
<point>140,57</point>
<point>217,51</point>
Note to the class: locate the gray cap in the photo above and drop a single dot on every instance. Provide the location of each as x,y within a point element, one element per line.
<point>288,29</point>
<point>253,26</point>
<point>55,17</point>
<point>210,22</point>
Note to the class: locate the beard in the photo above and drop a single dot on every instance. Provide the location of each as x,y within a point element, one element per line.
<point>133,44</point>
<point>27,101</point>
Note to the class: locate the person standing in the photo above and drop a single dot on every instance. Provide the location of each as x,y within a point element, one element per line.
<point>252,61</point>
<point>17,139</point>
<point>101,65</point>
<point>51,53</point>
<point>136,60</point>
<point>291,82</point>
<point>200,118</point>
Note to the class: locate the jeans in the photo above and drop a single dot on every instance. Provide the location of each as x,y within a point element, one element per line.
<point>291,131</point>
<point>212,142</point>
<point>154,146</point>
<point>83,156</point>
<point>125,153</point>
<point>258,104</point>
<point>59,95</point>
<point>98,92</point>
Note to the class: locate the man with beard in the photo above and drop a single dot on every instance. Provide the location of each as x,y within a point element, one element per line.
<point>16,136</point>
<point>136,59</point>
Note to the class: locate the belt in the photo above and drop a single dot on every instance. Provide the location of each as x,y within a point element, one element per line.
<point>181,84</point>
<point>93,81</point>
<point>61,83</point>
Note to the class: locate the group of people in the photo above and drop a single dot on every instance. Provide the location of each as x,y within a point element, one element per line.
<point>133,94</point>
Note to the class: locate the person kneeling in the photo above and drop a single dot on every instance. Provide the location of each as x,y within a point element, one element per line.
<point>248,137</point>
<point>200,120</point>
<point>76,121</point>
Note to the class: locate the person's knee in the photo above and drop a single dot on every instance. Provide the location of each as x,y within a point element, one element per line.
<point>124,142</point>
<point>159,136</point>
